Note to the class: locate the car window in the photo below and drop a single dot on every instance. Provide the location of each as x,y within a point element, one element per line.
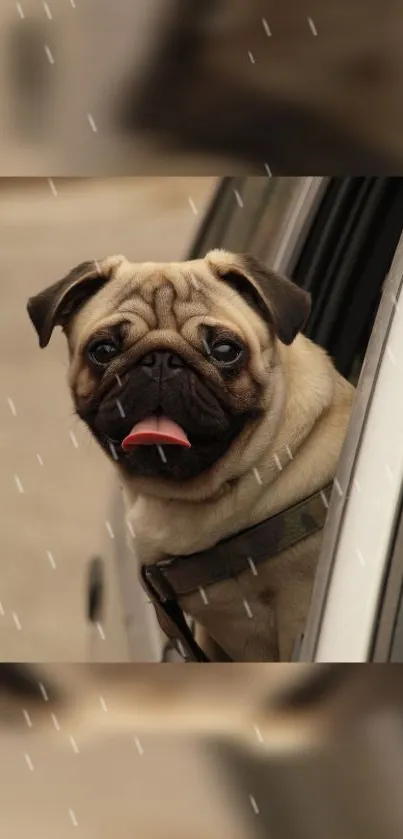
<point>264,216</point>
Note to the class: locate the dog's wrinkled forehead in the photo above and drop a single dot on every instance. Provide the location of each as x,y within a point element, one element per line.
<point>131,282</point>
<point>160,296</point>
<point>234,288</point>
<point>135,283</point>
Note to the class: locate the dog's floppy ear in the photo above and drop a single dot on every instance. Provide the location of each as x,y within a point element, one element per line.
<point>279,301</point>
<point>57,303</point>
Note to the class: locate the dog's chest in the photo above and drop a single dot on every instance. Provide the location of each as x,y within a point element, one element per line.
<point>163,528</point>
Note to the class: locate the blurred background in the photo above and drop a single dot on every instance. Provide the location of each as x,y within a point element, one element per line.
<point>168,86</point>
<point>55,485</point>
<point>253,751</point>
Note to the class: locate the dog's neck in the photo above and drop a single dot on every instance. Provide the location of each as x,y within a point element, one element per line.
<point>294,459</point>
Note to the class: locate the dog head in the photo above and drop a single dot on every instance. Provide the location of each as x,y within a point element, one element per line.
<point>181,353</point>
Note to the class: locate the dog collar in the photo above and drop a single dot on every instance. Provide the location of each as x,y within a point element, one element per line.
<point>170,579</point>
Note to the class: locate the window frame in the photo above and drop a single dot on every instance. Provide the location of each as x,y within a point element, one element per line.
<point>278,249</point>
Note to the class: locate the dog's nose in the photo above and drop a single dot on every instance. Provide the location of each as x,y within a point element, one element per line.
<point>162,363</point>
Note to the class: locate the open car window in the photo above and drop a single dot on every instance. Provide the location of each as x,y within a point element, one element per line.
<point>264,216</point>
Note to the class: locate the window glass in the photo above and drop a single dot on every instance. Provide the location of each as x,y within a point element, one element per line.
<point>251,215</point>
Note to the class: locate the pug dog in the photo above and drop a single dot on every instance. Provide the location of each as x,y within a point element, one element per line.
<point>195,379</point>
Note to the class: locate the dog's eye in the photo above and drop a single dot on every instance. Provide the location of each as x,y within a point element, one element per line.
<point>226,352</point>
<point>102,352</point>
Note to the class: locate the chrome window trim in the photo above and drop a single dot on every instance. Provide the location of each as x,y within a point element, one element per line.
<point>306,201</point>
<point>387,642</point>
<point>337,629</point>
<point>278,248</point>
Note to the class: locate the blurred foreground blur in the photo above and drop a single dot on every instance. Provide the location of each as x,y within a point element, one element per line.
<point>217,752</point>
<point>170,86</point>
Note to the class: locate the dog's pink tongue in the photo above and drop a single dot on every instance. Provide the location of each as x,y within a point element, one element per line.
<point>156,431</point>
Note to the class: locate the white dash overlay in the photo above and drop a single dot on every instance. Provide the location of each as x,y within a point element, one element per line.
<point>100,630</point>
<point>43,691</point>
<point>11,405</point>
<point>236,193</point>
<point>52,186</point>
<point>248,609</point>
<point>49,54</point>
<point>27,718</point>
<point>55,722</point>
<point>266,27</point>
<point>92,123</point>
<point>16,620</point>
<point>258,733</point>
<point>103,703</point>
<point>73,817</point>
<point>51,559</point>
<point>109,529</point>
<point>73,439</point>
<point>28,761</point>
<point>19,484</point>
